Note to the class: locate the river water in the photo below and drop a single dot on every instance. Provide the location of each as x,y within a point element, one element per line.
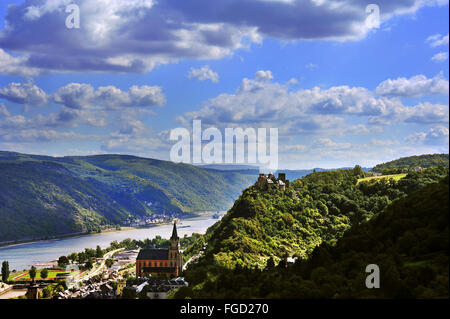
<point>22,256</point>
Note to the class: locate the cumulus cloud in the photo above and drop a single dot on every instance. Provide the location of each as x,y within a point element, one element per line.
<point>326,143</point>
<point>426,113</point>
<point>262,76</point>
<point>265,103</point>
<point>204,73</point>
<point>440,57</point>
<point>136,35</point>
<point>437,40</point>
<point>10,65</point>
<point>418,85</point>
<point>24,93</point>
<point>438,135</point>
<point>82,96</point>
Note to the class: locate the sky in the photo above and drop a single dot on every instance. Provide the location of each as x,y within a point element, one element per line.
<point>340,88</point>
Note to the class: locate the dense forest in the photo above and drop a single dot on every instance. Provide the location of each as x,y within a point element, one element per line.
<point>46,196</point>
<point>332,226</point>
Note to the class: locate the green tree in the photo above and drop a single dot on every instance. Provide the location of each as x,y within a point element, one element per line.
<point>82,257</point>
<point>73,257</point>
<point>32,273</point>
<point>63,261</point>
<point>44,273</point>
<point>270,263</point>
<point>89,264</point>
<point>109,262</point>
<point>5,271</point>
<point>98,252</point>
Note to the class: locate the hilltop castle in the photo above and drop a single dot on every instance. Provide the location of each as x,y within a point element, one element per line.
<point>271,182</point>
<point>161,261</point>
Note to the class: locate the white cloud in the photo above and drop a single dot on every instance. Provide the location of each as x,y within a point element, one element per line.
<point>262,76</point>
<point>137,35</point>
<point>292,148</point>
<point>440,57</point>
<point>3,110</point>
<point>426,113</point>
<point>10,65</point>
<point>326,143</point>
<point>438,135</point>
<point>24,93</point>
<point>437,40</point>
<point>204,73</point>
<point>266,103</point>
<point>82,96</point>
<point>418,85</point>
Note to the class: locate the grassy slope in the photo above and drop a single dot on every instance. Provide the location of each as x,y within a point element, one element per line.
<point>396,177</point>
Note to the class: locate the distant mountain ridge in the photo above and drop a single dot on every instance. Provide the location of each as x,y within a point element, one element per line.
<point>46,196</point>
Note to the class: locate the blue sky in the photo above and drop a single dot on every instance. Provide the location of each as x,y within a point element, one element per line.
<point>339,92</point>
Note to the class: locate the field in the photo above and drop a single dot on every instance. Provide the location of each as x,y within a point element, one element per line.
<point>24,275</point>
<point>394,176</point>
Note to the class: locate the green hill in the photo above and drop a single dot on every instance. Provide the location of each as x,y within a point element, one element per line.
<point>263,228</point>
<point>405,164</point>
<point>46,196</point>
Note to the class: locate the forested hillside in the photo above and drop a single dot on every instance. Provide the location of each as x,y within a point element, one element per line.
<point>263,228</point>
<point>409,163</point>
<point>47,196</point>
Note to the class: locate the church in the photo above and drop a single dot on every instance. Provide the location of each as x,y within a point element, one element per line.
<point>161,261</point>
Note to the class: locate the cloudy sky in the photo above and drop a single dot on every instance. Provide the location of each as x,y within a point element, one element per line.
<point>340,89</point>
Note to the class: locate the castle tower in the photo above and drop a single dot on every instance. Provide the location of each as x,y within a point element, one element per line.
<point>175,256</point>
<point>262,179</point>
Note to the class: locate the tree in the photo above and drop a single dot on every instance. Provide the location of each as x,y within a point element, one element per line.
<point>63,261</point>
<point>270,263</point>
<point>109,262</point>
<point>32,273</point>
<point>44,273</point>
<point>5,271</point>
<point>82,257</point>
<point>89,264</point>
<point>98,252</point>
<point>73,257</point>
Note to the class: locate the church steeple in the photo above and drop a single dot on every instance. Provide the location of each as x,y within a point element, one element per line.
<point>174,232</point>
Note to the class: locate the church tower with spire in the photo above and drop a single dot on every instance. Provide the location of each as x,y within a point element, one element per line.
<point>175,255</point>
<point>161,261</point>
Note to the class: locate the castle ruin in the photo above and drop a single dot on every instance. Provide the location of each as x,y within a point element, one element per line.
<point>270,182</point>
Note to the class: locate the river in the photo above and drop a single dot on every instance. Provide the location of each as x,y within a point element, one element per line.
<point>22,256</point>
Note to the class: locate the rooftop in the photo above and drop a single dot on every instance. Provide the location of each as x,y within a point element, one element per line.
<point>153,254</point>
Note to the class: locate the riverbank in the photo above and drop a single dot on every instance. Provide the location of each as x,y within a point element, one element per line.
<point>22,256</point>
<point>15,243</point>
